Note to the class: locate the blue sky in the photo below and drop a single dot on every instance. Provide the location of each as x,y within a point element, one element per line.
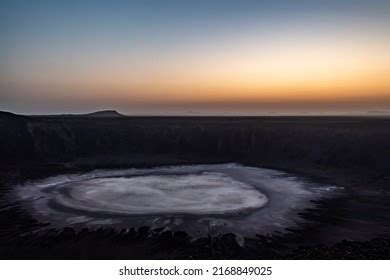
<point>86,55</point>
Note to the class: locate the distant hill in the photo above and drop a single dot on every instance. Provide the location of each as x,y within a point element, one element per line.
<point>98,114</point>
<point>9,115</point>
<point>378,112</point>
<point>105,113</point>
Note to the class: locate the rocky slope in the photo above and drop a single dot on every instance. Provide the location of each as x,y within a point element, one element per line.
<point>341,143</point>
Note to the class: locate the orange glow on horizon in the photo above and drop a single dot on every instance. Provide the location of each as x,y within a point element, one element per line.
<point>304,72</point>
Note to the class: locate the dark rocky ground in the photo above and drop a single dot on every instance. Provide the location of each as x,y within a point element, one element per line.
<point>353,152</point>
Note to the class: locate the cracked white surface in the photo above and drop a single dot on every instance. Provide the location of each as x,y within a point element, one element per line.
<point>202,199</point>
<point>207,193</point>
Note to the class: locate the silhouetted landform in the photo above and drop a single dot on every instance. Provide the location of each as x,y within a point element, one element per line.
<point>8,115</point>
<point>97,114</point>
<point>353,152</point>
<point>105,114</point>
<point>379,112</point>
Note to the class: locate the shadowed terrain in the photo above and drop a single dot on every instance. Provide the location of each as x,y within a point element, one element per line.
<point>352,152</point>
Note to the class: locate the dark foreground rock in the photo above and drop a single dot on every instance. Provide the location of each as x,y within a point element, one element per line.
<point>350,250</point>
<point>147,244</point>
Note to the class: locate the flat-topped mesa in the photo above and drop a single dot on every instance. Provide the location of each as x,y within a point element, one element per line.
<point>105,113</point>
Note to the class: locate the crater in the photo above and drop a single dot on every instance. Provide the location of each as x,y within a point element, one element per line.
<point>200,199</point>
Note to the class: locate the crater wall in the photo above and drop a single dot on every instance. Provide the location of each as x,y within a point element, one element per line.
<point>350,143</point>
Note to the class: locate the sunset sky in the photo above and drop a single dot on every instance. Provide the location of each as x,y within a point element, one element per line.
<point>195,57</point>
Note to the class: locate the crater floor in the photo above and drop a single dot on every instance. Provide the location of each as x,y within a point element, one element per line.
<point>200,199</point>
<point>206,193</point>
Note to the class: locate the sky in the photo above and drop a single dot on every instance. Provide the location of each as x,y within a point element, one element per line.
<point>195,57</point>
